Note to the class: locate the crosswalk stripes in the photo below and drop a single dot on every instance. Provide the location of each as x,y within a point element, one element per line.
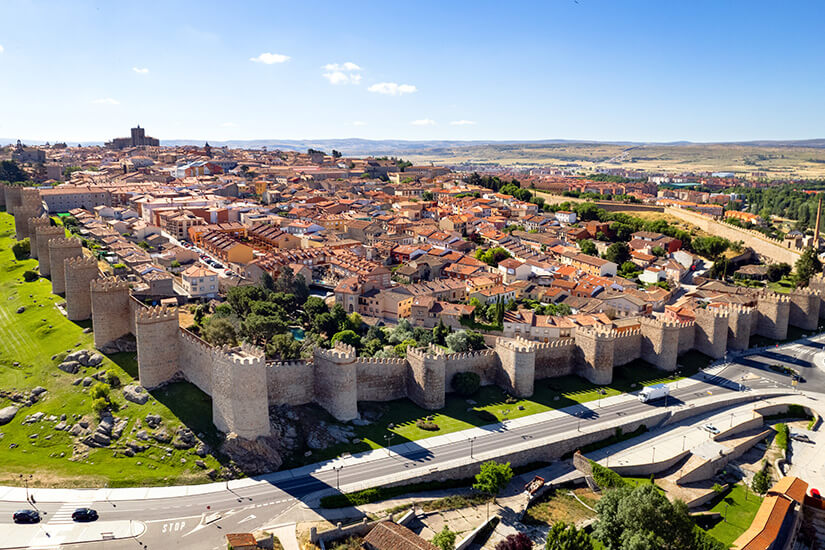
<point>64,513</point>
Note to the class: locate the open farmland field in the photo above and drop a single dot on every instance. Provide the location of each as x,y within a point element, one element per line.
<point>775,161</point>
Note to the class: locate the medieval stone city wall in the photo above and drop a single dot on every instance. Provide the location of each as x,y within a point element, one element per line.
<point>239,392</point>
<point>11,194</point>
<point>60,250</point>
<point>78,274</point>
<point>627,347</point>
<point>381,379</point>
<point>766,247</point>
<point>291,383</point>
<point>34,223</point>
<point>44,234</point>
<point>554,359</point>
<point>196,360</point>
<point>485,363</point>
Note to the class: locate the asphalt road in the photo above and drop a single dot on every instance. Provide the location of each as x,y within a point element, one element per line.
<point>185,522</point>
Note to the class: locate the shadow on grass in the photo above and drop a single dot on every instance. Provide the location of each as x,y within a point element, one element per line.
<point>194,409</point>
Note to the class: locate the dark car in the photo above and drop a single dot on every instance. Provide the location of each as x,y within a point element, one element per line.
<point>84,514</point>
<point>26,516</point>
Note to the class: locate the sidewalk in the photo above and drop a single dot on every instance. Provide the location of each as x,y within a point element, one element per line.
<point>45,535</point>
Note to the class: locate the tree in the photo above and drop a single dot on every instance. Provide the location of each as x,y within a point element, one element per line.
<point>10,171</point>
<point>761,481</point>
<point>427,196</point>
<point>493,477</point>
<point>492,256</point>
<point>710,247</point>
<point>777,271</point>
<point>643,518</point>
<point>458,341</point>
<point>284,347</point>
<point>566,537</point>
<point>721,268</point>
<point>445,539</point>
<point>30,275</point>
<point>516,541</point>
<point>336,154</point>
<point>618,253</point>
<point>21,249</point>
<point>440,332</point>
<point>240,298</point>
<point>587,247</point>
<point>806,267</point>
<point>347,337</point>
<point>315,306</point>
<point>466,383</point>
<point>658,251</point>
<point>219,331</point>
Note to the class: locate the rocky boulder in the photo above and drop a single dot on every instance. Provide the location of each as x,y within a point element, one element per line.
<point>69,366</point>
<point>254,457</point>
<point>135,394</point>
<point>153,420</point>
<point>7,414</point>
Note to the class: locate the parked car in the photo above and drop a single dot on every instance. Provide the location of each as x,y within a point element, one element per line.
<point>26,516</point>
<point>84,514</point>
<point>710,428</point>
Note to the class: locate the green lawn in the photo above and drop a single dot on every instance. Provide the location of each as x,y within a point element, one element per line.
<point>784,285</point>
<point>739,512</point>
<point>31,339</point>
<point>488,406</point>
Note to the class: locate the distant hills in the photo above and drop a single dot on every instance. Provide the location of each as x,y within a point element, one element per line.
<point>397,147</point>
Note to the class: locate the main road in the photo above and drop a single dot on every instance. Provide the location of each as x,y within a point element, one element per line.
<point>201,520</point>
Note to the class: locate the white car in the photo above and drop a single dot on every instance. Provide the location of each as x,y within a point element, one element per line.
<point>710,428</point>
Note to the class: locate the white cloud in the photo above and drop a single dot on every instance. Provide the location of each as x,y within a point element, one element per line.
<point>1,48</point>
<point>392,88</point>
<point>229,125</point>
<point>106,101</point>
<point>462,123</point>
<point>423,122</point>
<point>140,70</point>
<point>270,58</point>
<point>342,73</point>
<point>348,66</point>
<point>359,123</point>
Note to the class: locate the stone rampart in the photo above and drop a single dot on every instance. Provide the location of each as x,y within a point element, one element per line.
<point>485,363</point>
<point>557,358</point>
<point>381,379</point>
<point>22,214</point>
<point>518,366</point>
<point>34,223</point>
<point>44,234</point>
<point>111,310</point>
<point>762,245</point>
<point>660,342</point>
<point>240,401</point>
<point>195,360</point>
<point>774,313</point>
<point>594,357</point>
<point>711,331</point>
<point>12,197</point>
<point>804,308</point>
<point>336,389</point>
<point>628,347</point>
<point>817,283</point>
<point>741,321</point>
<point>426,377</point>
<point>157,338</point>
<point>61,250</point>
<point>291,382</point>
<point>78,274</point>
<point>30,198</point>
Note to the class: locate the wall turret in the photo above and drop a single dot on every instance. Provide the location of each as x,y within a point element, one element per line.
<point>426,379</point>
<point>157,333</point>
<point>774,311</point>
<point>804,308</point>
<point>34,223</point>
<point>336,375</point>
<point>817,283</point>
<point>30,198</point>
<point>518,365</point>
<point>12,195</point>
<point>740,326</point>
<point>110,310</point>
<point>240,402</point>
<point>21,220</point>
<point>79,273</point>
<point>44,235</point>
<point>711,331</point>
<point>60,249</point>
<point>660,343</point>
<point>595,354</point>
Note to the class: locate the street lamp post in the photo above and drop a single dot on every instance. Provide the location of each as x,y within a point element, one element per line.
<point>388,438</point>
<point>338,476</point>
<point>471,440</point>
<point>684,436</point>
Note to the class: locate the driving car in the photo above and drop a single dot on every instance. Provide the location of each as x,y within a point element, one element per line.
<point>84,514</point>
<point>711,428</point>
<point>26,516</point>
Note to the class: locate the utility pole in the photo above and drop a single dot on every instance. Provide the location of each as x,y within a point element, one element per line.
<point>338,476</point>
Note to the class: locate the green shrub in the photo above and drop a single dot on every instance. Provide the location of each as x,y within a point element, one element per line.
<point>100,391</point>
<point>605,477</point>
<point>100,404</point>
<point>761,480</point>
<point>30,275</point>
<point>782,436</point>
<point>466,383</point>
<point>21,249</point>
<point>112,379</point>
<point>426,425</point>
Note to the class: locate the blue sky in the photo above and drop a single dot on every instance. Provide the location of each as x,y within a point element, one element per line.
<point>605,70</point>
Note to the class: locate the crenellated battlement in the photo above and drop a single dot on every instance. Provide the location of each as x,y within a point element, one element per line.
<point>596,333</point>
<point>156,314</point>
<point>289,364</point>
<point>341,352</point>
<point>81,262</point>
<point>659,323</point>
<point>718,312</point>
<point>109,284</point>
<point>381,360</point>
<point>425,353</point>
<point>518,344</point>
<point>773,297</point>
<point>65,242</point>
